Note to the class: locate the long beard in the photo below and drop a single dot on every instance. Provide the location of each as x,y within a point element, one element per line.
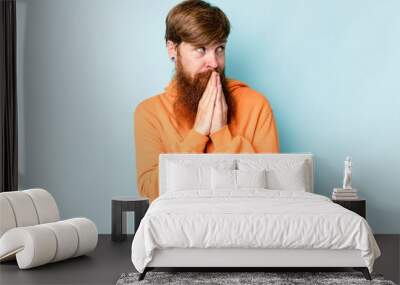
<point>190,90</point>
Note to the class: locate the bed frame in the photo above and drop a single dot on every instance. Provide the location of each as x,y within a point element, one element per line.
<point>244,259</point>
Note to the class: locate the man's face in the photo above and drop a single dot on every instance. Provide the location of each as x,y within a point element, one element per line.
<point>193,70</point>
<point>199,59</point>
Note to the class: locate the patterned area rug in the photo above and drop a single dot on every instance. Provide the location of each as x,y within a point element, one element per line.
<point>230,278</point>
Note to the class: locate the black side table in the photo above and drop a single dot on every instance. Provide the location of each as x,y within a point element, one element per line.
<point>121,205</point>
<point>358,206</point>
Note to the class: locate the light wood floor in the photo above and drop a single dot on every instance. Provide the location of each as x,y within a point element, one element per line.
<point>111,259</point>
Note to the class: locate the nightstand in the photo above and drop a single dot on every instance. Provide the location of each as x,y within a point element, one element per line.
<point>121,205</point>
<point>358,206</point>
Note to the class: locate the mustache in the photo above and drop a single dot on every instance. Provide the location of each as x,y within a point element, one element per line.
<point>202,78</point>
<point>210,71</point>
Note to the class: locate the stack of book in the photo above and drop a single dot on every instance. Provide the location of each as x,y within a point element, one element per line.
<point>344,194</point>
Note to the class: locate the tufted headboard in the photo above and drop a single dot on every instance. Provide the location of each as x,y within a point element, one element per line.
<point>238,160</point>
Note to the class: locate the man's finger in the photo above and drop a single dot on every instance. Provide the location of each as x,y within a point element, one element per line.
<point>208,86</point>
<point>209,90</point>
<point>214,97</point>
<point>223,105</point>
<point>212,90</point>
<point>206,93</point>
<point>219,86</point>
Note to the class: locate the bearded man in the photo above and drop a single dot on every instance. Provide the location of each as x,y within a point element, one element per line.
<point>200,111</point>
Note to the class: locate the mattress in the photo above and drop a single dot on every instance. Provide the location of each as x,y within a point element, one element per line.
<point>250,219</point>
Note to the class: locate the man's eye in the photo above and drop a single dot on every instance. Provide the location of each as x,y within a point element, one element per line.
<point>221,49</point>
<point>201,49</point>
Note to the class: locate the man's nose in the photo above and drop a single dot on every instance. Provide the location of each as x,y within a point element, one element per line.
<point>212,61</point>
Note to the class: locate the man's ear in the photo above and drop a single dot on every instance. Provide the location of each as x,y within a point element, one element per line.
<point>172,49</point>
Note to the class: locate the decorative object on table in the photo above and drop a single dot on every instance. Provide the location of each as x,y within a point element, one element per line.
<point>32,233</point>
<point>243,278</point>
<point>121,205</point>
<point>347,192</point>
<point>347,174</point>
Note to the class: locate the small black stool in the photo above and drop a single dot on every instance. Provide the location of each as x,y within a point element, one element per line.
<point>121,205</point>
<point>358,206</point>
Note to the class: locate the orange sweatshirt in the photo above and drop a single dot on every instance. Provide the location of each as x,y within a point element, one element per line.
<point>252,130</point>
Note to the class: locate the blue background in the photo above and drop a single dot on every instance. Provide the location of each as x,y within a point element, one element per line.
<point>329,69</point>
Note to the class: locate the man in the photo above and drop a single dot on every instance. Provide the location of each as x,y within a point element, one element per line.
<point>200,111</point>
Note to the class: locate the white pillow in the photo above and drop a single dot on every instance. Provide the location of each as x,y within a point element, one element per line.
<point>223,179</point>
<point>251,178</point>
<point>281,174</point>
<point>236,179</point>
<point>186,175</point>
<point>185,178</point>
<point>288,179</point>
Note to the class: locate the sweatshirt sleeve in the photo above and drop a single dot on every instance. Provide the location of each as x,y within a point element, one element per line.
<point>194,142</point>
<point>265,139</point>
<point>149,145</point>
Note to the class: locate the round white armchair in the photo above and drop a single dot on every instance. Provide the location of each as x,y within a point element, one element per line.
<point>31,230</point>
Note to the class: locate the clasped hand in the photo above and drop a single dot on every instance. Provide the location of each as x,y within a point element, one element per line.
<point>212,109</point>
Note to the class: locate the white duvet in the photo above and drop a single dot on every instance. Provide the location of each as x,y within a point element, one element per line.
<point>251,218</point>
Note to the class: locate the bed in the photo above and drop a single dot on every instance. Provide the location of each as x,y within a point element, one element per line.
<point>247,210</point>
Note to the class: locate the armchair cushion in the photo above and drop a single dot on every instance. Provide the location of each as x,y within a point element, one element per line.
<point>31,232</point>
<point>40,244</point>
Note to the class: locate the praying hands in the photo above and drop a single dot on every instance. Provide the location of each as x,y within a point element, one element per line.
<point>212,110</point>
